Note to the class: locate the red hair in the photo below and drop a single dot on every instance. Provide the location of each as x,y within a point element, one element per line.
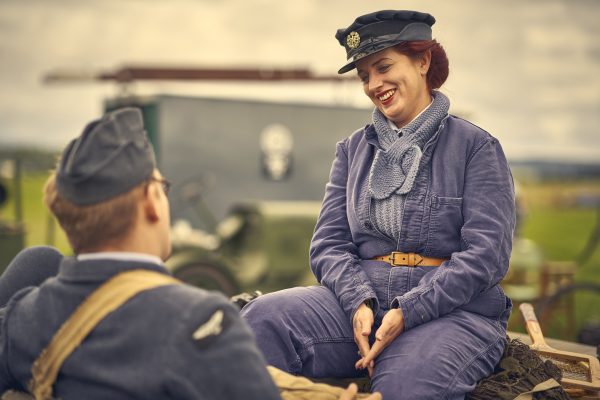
<point>438,69</point>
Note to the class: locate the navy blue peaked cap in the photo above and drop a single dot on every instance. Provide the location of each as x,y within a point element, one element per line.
<point>377,31</point>
<point>110,157</point>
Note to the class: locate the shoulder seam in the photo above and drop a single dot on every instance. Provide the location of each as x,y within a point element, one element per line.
<point>342,145</point>
<point>478,148</point>
<point>470,123</point>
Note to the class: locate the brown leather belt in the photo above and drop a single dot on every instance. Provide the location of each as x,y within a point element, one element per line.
<point>398,259</point>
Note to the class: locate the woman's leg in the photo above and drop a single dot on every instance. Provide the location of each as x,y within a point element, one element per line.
<point>304,331</point>
<point>442,359</point>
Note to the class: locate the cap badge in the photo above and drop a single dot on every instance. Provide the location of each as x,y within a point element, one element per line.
<point>353,40</point>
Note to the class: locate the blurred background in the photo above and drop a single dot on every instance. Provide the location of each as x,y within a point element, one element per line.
<point>249,158</point>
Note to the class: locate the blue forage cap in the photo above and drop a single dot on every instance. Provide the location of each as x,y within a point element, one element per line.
<point>110,157</point>
<point>377,31</point>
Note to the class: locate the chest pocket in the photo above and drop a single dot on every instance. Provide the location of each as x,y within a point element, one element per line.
<point>445,223</point>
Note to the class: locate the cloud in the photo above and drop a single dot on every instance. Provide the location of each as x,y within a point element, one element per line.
<point>525,71</point>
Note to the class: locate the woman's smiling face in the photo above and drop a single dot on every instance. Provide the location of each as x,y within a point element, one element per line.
<point>396,83</point>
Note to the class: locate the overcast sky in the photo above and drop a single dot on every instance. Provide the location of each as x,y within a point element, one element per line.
<point>528,71</point>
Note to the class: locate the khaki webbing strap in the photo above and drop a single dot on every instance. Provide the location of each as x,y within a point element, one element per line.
<point>292,387</point>
<point>107,298</point>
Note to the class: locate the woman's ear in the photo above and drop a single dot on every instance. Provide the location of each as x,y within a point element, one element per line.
<point>425,63</point>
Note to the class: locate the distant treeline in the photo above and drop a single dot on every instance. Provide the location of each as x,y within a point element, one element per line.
<point>548,170</point>
<point>34,160</point>
<point>31,160</point>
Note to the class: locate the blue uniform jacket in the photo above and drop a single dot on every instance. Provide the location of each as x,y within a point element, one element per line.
<point>143,350</point>
<point>461,207</point>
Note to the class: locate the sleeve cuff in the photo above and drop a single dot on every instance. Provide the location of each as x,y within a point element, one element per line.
<point>412,310</point>
<point>363,293</point>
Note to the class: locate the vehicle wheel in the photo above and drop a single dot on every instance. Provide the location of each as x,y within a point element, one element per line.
<point>207,276</point>
<point>566,313</point>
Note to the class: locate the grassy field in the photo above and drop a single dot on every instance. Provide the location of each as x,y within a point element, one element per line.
<point>553,221</point>
<point>40,227</point>
<point>561,226</point>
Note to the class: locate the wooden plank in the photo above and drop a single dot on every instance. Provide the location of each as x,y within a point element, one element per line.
<point>558,344</point>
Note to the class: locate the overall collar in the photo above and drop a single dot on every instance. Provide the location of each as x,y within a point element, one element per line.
<point>100,269</point>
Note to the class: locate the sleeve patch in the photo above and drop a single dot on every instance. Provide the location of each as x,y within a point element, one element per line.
<point>213,327</point>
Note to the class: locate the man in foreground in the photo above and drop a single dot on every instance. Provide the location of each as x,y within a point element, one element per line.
<point>172,341</point>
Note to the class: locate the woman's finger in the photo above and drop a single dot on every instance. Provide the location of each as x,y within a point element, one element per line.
<point>368,361</point>
<point>363,344</point>
<point>361,340</point>
<point>362,326</point>
<point>391,325</point>
<point>382,332</point>
<point>389,330</point>
<point>366,325</point>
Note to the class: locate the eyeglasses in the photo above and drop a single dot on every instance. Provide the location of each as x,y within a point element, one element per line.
<point>164,184</point>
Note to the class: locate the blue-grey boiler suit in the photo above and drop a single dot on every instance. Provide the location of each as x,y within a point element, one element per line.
<point>461,207</point>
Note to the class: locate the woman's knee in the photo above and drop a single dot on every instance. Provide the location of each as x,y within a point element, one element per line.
<point>269,307</point>
<point>441,359</point>
<point>274,320</point>
<point>303,315</point>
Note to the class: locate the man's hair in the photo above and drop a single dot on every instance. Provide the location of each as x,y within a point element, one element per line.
<point>89,227</point>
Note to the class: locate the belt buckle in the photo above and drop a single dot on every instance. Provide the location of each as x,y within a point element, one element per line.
<point>398,259</point>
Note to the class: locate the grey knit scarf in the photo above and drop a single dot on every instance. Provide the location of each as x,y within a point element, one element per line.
<point>397,162</point>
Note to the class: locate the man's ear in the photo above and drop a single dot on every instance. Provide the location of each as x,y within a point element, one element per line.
<point>425,63</point>
<point>150,205</point>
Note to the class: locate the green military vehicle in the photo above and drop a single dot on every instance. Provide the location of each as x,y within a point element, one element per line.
<point>259,245</point>
<point>248,179</point>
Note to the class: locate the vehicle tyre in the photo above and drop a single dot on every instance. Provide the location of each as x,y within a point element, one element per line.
<point>557,311</point>
<point>208,276</point>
